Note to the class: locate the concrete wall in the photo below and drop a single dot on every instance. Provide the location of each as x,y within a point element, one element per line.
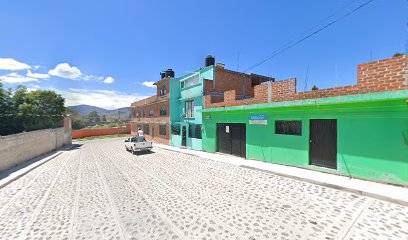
<point>18,148</point>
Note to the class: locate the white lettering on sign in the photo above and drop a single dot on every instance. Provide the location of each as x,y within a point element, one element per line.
<point>227,129</point>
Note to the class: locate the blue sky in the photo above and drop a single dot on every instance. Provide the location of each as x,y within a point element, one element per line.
<point>101,52</point>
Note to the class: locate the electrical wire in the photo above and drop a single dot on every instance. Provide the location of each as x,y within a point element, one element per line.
<point>291,44</point>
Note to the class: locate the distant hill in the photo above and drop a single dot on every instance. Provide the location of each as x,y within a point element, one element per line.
<point>84,110</point>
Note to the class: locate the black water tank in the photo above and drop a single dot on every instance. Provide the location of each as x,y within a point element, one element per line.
<point>162,74</point>
<point>169,73</point>
<point>209,60</point>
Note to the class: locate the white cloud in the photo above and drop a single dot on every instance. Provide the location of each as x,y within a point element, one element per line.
<point>101,98</point>
<point>12,64</point>
<point>148,84</point>
<point>64,70</point>
<point>37,75</point>
<point>32,87</point>
<point>17,78</point>
<point>109,80</point>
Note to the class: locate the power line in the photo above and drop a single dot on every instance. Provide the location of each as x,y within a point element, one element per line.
<point>277,52</point>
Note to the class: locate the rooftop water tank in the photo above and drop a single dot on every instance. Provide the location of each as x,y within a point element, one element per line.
<point>209,61</point>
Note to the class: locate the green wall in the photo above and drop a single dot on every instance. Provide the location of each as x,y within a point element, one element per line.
<point>371,137</point>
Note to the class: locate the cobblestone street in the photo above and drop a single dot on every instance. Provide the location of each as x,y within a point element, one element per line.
<point>100,191</point>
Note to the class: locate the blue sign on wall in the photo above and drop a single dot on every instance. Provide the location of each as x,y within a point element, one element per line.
<point>258,119</point>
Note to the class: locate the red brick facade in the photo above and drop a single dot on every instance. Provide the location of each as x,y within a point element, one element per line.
<point>378,76</point>
<point>225,80</point>
<point>152,113</point>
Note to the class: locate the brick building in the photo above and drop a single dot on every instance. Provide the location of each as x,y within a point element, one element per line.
<point>359,130</point>
<point>152,114</point>
<point>187,98</point>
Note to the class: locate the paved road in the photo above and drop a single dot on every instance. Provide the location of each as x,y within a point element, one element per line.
<point>100,191</point>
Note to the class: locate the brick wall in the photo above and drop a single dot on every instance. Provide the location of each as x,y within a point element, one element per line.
<point>141,114</point>
<point>157,137</point>
<point>99,132</point>
<point>228,80</point>
<point>143,111</point>
<point>166,83</point>
<point>144,101</point>
<point>378,76</point>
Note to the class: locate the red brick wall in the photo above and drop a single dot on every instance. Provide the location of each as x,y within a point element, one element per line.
<point>229,80</point>
<point>261,96</point>
<point>99,132</point>
<point>284,88</point>
<point>157,137</point>
<point>208,86</point>
<point>165,83</point>
<point>378,76</point>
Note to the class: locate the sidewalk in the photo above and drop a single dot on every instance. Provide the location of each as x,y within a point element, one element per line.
<point>366,188</point>
<point>22,169</point>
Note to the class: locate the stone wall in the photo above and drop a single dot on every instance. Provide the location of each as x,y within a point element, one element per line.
<point>18,148</point>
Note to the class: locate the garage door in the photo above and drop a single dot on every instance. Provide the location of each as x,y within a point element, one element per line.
<point>231,138</point>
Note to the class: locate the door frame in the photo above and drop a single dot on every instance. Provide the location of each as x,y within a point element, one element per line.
<point>183,135</point>
<point>325,151</point>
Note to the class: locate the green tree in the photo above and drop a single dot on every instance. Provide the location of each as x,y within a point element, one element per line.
<point>6,112</point>
<point>104,118</point>
<point>398,54</point>
<point>93,117</point>
<point>27,111</point>
<point>315,87</point>
<point>78,122</point>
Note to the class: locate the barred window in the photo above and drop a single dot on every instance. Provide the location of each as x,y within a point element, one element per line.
<point>162,129</point>
<point>163,91</point>
<point>151,112</point>
<point>175,129</point>
<point>194,80</point>
<point>146,129</point>
<point>163,111</point>
<point>288,127</point>
<point>189,108</point>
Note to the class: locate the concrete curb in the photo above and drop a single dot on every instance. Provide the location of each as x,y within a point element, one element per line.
<point>22,169</point>
<point>358,190</point>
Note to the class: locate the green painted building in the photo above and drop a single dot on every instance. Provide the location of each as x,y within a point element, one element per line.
<point>359,131</point>
<point>372,133</point>
<point>186,99</point>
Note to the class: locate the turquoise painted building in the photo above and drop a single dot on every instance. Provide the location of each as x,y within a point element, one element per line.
<point>186,101</point>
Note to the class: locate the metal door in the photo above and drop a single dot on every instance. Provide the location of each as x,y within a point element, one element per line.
<point>323,143</point>
<point>183,136</point>
<point>238,139</point>
<point>223,138</point>
<point>243,141</point>
<point>231,138</point>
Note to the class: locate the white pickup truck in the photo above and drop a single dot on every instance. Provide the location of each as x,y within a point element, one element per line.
<point>134,144</point>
